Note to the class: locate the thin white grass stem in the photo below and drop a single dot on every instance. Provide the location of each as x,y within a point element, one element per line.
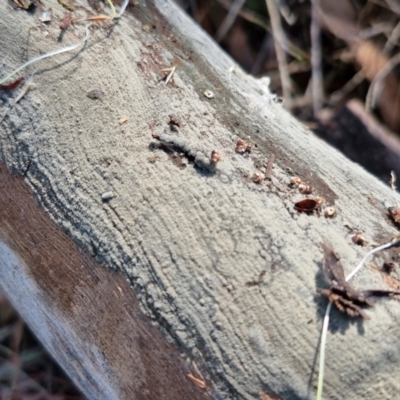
<point>123,7</point>
<point>47,55</point>
<point>324,335</point>
<point>362,262</point>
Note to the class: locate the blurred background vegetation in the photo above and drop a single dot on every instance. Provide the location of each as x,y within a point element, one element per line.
<point>334,63</point>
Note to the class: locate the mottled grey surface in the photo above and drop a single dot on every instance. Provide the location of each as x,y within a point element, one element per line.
<point>190,238</point>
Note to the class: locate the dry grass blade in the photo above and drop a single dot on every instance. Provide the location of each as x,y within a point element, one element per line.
<point>229,20</point>
<point>279,38</point>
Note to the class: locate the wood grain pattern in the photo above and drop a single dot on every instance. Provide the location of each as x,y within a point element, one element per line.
<point>87,315</point>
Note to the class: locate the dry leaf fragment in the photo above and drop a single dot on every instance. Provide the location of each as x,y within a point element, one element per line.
<point>25,4</point>
<point>394,213</point>
<point>66,21</point>
<point>173,120</point>
<point>46,15</point>
<point>347,299</point>
<point>12,85</point>
<point>69,6</point>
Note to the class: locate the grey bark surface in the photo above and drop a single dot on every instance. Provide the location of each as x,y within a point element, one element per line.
<point>190,237</point>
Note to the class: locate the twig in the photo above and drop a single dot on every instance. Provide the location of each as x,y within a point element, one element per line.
<point>316,61</point>
<point>375,87</point>
<point>279,39</point>
<point>290,48</point>
<point>171,72</point>
<point>123,8</point>
<point>392,40</point>
<point>25,89</point>
<point>229,20</point>
<point>337,96</point>
<point>270,165</point>
<point>47,55</point>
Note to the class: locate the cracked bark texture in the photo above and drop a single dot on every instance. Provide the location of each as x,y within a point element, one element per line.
<point>225,269</point>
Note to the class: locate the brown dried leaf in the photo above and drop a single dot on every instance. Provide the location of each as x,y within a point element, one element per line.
<point>333,269</point>
<point>341,294</point>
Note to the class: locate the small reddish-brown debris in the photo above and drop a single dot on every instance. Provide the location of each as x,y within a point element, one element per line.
<point>123,120</point>
<point>388,267</point>
<point>268,396</point>
<point>305,189</point>
<point>174,121</point>
<point>199,382</point>
<point>258,177</point>
<point>329,212</point>
<point>243,147</point>
<point>25,4</point>
<point>394,212</point>
<point>153,158</point>
<point>12,85</point>
<point>66,21</point>
<point>295,181</point>
<point>357,238</point>
<point>215,156</point>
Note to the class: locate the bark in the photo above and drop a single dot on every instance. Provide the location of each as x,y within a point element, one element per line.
<point>224,269</point>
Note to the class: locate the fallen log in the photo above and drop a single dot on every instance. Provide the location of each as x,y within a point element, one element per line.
<point>150,256</point>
